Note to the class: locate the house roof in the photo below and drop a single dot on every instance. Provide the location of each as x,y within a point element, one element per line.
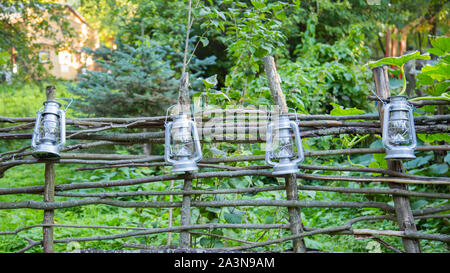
<point>76,13</point>
<point>66,5</point>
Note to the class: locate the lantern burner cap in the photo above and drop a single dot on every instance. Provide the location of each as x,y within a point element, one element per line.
<point>400,154</point>
<point>46,151</point>
<point>285,167</point>
<point>184,165</point>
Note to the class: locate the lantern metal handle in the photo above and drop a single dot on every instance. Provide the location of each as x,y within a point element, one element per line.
<point>412,128</point>
<point>35,137</point>
<point>298,142</point>
<point>167,113</point>
<point>198,150</point>
<point>269,140</point>
<point>167,150</point>
<point>384,139</point>
<point>62,128</point>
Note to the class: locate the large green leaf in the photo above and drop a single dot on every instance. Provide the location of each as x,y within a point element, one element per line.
<point>210,82</point>
<point>441,46</point>
<point>439,169</point>
<point>438,89</point>
<point>418,162</point>
<point>399,61</point>
<point>430,138</point>
<point>340,111</point>
<point>233,216</point>
<point>440,71</point>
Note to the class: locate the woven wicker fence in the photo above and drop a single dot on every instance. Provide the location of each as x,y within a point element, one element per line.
<point>87,133</point>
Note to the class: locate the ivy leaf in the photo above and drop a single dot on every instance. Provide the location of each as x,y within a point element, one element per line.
<point>399,61</point>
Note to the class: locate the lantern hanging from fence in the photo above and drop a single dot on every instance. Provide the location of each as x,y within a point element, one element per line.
<point>49,134</point>
<point>280,151</point>
<point>399,134</point>
<point>182,144</point>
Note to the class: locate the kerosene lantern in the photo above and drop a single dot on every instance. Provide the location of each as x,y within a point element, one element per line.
<point>279,146</point>
<point>49,134</point>
<point>399,134</point>
<point>182,144</point>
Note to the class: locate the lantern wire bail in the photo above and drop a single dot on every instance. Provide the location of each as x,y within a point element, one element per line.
<point>269,115</point>
<point>167,113</point>
<point>380,99</point>
<point>295,113</point>
<point>68,105</point>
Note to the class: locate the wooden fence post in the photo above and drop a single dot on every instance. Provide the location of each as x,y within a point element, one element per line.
<point>184,103</point>
<point>49,191</point>
<point>402,205</point>
<point>295,219</point>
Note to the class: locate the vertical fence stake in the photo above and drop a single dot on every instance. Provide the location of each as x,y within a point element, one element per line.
<point>186,214</point>
<point>295,219</point>
<point>49,192</point>
<point>184,103</point>
<point>402,205</point>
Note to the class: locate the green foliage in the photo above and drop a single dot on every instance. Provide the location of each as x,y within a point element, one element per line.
<point>133,81</point>
<point>250,31</point>
<point>24,100</point>
<point>320,48</point>
<point>400,63</point>
<point>16,19</point>
<point>436,78</point>
<point>4,57</point>
<point>339,111</point>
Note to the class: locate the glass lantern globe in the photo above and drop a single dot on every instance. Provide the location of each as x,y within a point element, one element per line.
<point>399,135</point>
<point>49,134</point>
<point>280,146</point>
<point>182,144</point>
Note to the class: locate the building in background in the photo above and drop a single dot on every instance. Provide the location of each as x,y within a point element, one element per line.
<point>67,63</point>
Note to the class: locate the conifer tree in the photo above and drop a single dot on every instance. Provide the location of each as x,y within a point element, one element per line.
<point>130,81</point>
